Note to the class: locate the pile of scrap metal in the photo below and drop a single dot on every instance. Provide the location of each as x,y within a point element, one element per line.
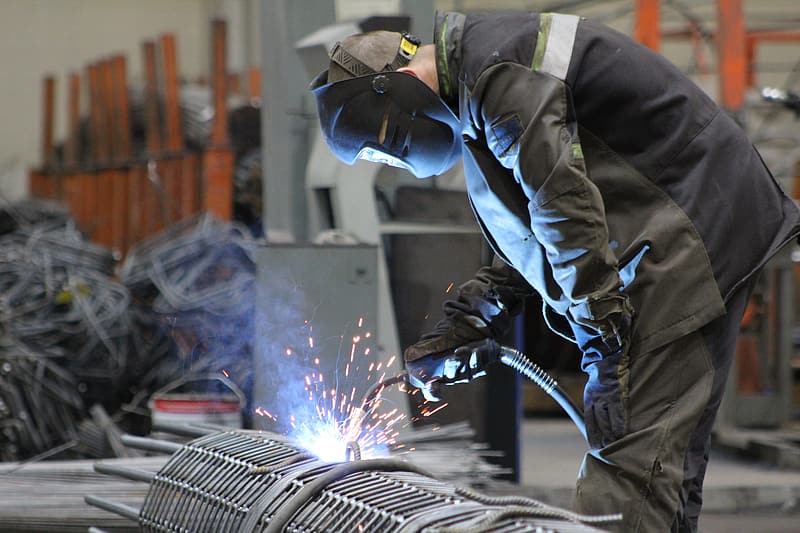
<point>193,292</point>
<point>73,337</point>
<point>245,481</point>
<point>64,324</point>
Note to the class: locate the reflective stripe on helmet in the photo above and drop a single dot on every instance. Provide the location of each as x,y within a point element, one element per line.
<point>554,43</point>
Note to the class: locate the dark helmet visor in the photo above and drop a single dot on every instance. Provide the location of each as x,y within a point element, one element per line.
<point>389,117</point>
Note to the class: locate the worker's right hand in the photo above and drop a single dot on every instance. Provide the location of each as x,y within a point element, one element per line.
<point>425,359</point>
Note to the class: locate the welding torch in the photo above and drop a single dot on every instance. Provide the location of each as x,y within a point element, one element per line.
<point>462,365</point>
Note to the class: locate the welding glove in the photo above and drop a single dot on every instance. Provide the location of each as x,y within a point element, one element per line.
<point>484,307</point>
<point>606,351</point>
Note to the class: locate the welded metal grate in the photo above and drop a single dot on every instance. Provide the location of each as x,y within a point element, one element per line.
<point>252,481</point>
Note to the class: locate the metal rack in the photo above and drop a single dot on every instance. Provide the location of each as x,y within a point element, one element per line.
<point>236,480</point>
<point>118,192</point>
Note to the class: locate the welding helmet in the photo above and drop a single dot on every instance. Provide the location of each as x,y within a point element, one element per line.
<point>386,116</point>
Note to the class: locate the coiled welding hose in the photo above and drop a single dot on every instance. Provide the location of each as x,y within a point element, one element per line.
<point>518,361</point>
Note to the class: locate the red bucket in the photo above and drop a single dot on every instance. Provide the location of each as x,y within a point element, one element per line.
<point>192,401</point>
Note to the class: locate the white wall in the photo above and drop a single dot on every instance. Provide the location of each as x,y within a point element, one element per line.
<point>59,36</point>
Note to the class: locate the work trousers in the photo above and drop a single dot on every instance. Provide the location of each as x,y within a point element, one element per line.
<point>653,474</point>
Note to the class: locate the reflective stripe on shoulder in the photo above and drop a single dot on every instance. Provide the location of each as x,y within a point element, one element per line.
<point>554,43</point>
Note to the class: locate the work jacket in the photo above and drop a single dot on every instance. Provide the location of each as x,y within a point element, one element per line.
<point>603,175</point>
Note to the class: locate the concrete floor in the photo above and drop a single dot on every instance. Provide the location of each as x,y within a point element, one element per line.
<point>739,495</point>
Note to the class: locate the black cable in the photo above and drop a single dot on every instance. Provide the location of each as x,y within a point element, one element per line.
<point>519,362</point>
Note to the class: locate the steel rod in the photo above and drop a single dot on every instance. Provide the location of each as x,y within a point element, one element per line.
<point>113,507</point>
<point>152,445</point>
<point>134,474</point>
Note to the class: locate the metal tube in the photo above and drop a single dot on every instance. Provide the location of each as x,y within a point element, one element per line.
<point>134,474</point>
<point>148,444</point>
<point>113,507</point>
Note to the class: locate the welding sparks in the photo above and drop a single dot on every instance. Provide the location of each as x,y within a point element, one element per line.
<point>426,412</point>
<point>260,411</point>
<point>327,414</point>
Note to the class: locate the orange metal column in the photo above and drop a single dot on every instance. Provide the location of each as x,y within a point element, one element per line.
<point>138,185</point>
<point>120,202</point>
<point>108,139</point>
<point>49,95</point>
<point>97,147</point>
<point>41,182</point>
<point>152,127</point>
<point>72,152</point>
<point>731,53</point>
<point>648,28</point>
<point>254,83</point>
<point>83,203</point>
<point>173,185</point>
<point>218,158</point>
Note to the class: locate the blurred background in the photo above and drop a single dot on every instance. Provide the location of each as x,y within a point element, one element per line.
<point>178,245</point>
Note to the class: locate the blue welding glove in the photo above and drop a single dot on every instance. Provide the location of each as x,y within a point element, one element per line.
<point>461,365</point>
<point>482,308</point>
<point>606,361</point>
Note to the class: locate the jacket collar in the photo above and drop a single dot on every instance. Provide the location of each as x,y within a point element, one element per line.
<point>447,32</point>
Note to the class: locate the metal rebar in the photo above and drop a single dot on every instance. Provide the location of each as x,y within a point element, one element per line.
<point>133,474</point>
<point>117,508</point>
<point>148,444</point>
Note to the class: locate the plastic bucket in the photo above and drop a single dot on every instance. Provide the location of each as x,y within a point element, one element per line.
<point>198,400</point>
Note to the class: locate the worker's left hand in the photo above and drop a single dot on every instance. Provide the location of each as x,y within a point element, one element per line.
<point>604,406</point>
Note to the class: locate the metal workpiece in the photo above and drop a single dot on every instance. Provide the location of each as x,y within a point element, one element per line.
<point>257,481</point>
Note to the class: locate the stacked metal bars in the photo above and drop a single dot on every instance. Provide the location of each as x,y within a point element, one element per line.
<point>257,481</point>
<point>117,197</point>
<point>49,495</point>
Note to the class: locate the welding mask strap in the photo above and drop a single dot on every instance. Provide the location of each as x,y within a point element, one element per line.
<point>405,52</point>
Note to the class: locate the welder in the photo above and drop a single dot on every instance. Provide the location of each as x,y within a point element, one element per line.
<point>608,182</point>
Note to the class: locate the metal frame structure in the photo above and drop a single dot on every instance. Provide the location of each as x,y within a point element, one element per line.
<point>260,481</point>
<point>115,197</point>
<point>736,46</point>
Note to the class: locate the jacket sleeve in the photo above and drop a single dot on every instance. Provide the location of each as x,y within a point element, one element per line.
<point>528,122</point>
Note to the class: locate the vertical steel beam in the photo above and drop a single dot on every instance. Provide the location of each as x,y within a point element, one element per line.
<point>152,129</point>
<point>95,114</point>
<point>219,80</point>
<point>286,110</point>
<point>109,139</point>
<point>111,135</point>
<point>121,108</point>
<point>120,202</point>
<point>72,153</point>
<point>731,53</point>
<point>83,181</point>
<point>648,25</point>
<point>174,142</point>
<point>218,157</point>
<point>48,114</point>
<point>254,85</point>
<point>278,174</point>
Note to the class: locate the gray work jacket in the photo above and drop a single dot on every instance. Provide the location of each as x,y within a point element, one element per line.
<point>603,175</point>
